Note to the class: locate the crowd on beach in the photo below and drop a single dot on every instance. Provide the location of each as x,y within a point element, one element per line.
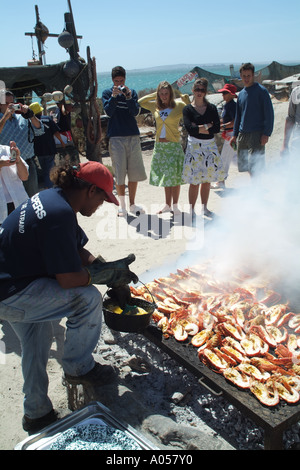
<point>46,272</point>
<point>246,123</point>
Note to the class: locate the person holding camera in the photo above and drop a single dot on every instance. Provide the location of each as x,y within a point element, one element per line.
<point>121,105</point>
<point>13,170</point>
<point>46,274</point>
<point>19,124</point>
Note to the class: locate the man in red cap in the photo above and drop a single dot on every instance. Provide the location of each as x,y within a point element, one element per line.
<point>46,274</point>
<point>227,121</point>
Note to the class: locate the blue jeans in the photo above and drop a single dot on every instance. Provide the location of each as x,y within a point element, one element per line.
<point>31,312</point>
<point>47,162</point>
<point>31,185</point>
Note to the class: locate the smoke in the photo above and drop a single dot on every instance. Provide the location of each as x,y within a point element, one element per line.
<point>259,229</point>
<point>257,232</point>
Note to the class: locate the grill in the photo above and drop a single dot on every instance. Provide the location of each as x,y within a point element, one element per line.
<point>274,421</point>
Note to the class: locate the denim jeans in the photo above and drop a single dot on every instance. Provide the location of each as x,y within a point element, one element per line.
<point>31,185</point>
<point>31,312</point>
<point>47,162</point>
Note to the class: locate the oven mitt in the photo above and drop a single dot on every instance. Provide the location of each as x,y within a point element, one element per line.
<point>114,273</point>
<point>99,260</point>
<point>120,295</point>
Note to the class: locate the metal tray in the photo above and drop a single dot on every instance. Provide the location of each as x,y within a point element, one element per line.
<point>93,413</point>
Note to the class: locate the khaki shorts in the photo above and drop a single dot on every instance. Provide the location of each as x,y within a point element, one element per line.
<point>251,154</point>
<point>127,159</point>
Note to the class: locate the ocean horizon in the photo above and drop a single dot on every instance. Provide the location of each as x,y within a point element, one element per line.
<point>149,78</point>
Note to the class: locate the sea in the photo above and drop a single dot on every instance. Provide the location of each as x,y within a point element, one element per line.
<point>148,79</point>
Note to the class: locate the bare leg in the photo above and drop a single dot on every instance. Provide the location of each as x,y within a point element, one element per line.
<point>204,194</point>
<point>168,200</point>
<point>175,194</point>
<point>193,194</point>
<point>120,189</point>
<point>132,187</point>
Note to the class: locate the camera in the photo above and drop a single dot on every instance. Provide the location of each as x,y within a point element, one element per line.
<point>123,89</point>
<point>13,156</point>
<point>17,107</point>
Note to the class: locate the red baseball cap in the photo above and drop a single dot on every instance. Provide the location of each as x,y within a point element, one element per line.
<point>232,89</point>
<point>97,174</point>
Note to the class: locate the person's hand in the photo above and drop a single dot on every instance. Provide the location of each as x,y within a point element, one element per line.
<point>14,150</point>
<point>115,91</point>
<point>26,112</point>
<point>127,92</point>
<point>203,129</point>
<point>9,112</point>
<point>264,140</point>
<point>120,295</point>
<point>113,274</point>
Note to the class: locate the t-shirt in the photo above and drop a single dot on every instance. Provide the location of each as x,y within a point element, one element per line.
<point>40,238</point>
<point>164,113</point>
<point>229,111</point>
<point>45,144</point>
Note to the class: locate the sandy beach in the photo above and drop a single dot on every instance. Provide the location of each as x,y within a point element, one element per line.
<point>157,243</point>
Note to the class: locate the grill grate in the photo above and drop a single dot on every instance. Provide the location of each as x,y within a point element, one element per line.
<point>274,421</point>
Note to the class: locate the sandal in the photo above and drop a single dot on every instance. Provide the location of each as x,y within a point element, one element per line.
<point>176,210</point>
<point>136,210</point>
<point>122,212</point>
<point>207,213</point>
<point>166,208</point>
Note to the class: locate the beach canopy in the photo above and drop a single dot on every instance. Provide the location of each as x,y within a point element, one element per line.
<point>40,79</point>
<point>274,71</point>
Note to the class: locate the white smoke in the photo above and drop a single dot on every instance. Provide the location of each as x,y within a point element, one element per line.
<point>259,228</point>
<point>257,232</point>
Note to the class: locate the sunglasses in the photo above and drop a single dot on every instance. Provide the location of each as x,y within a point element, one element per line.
<point>200,90</point>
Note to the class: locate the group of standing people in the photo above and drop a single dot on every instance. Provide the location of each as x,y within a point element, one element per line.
<point>246,125</point>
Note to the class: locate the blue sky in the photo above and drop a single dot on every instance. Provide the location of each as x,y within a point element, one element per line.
<point>139,34</point>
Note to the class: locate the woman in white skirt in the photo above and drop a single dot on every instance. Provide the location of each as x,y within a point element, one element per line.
<point>202,163</point>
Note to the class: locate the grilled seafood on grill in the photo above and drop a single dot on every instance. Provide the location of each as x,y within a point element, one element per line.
<point>266,393</point>
<point>246,333</point>
<point>237,377</point>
